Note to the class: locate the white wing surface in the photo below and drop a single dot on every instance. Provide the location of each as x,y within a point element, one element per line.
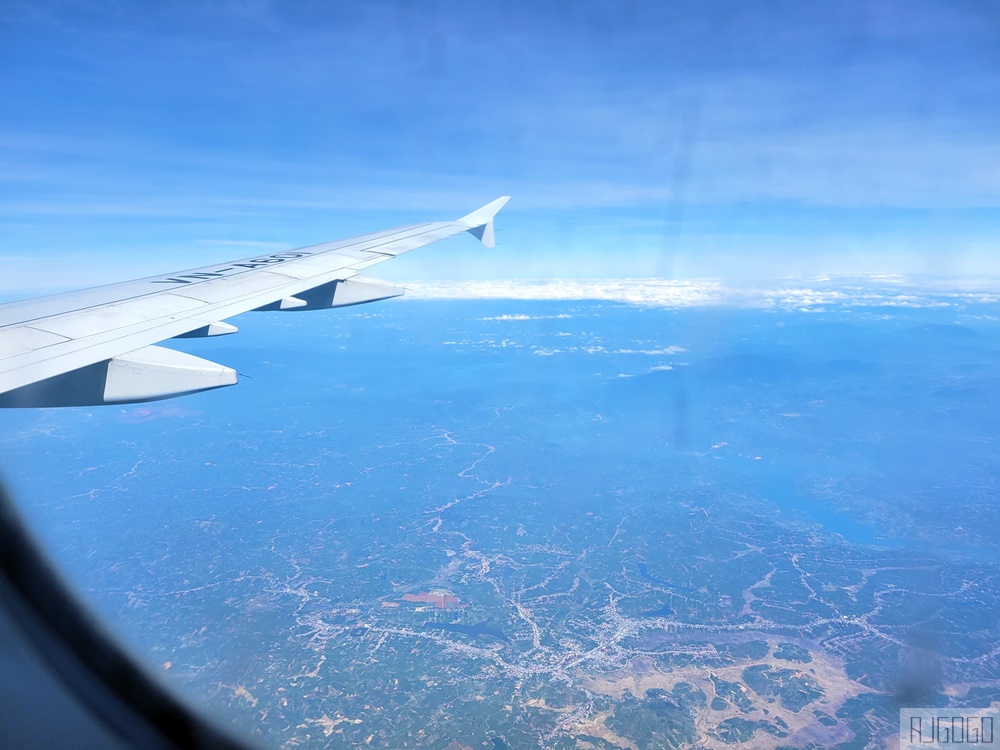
<point>97,346</point>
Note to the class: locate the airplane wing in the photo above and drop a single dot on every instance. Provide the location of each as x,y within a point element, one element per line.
<point>97,346</point>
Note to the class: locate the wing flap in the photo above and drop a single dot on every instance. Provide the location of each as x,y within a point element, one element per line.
<point>98,320</point>
<point>23,339</point>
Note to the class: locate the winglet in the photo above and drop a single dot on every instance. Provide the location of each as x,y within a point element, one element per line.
<point>480,222</point>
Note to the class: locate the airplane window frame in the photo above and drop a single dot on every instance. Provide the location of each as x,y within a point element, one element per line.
<point>70,654</point>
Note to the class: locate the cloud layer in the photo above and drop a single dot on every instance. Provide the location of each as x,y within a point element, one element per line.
<point>791,294</point>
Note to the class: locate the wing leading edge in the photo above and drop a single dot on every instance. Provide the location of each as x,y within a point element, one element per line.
<point>98,346</point>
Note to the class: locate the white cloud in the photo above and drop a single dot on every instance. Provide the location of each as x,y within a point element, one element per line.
<point>657,292</point>
<point>790,294</point>
<point>521,316</point>
<point>664,350</point>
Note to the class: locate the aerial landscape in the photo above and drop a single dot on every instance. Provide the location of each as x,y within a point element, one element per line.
<point>698,450</point>
<point>581,524</point>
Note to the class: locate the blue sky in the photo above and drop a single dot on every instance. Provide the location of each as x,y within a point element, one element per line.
<point>673,139</point>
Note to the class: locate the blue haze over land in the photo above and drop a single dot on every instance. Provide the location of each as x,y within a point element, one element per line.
<point>636,509</point>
